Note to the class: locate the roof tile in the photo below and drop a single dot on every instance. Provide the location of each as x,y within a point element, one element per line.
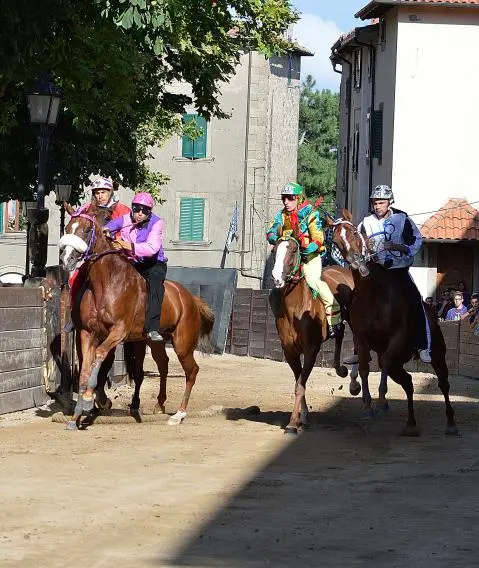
<point>456,220</point>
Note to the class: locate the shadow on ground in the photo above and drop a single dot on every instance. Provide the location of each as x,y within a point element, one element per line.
<point>350,492</point>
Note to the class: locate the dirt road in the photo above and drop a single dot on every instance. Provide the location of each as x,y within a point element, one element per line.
<point>238,493</point>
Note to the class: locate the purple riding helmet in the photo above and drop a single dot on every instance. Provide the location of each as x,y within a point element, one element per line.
<point>143,198</point>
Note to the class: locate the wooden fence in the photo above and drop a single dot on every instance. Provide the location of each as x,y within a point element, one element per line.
<point>252,332</point>
<point>23,349</point>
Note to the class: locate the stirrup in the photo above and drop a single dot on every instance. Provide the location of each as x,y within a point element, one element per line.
<point>425,356</point>
<point>154,336</point>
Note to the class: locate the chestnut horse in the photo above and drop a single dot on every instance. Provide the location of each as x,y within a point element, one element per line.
<point>301,319</point>
<point>112,310</point>
<point>383,320</point>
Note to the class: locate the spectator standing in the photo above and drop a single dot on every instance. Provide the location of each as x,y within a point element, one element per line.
<point>461,287</point>
<point>444,304</point>
<point>459,310</point>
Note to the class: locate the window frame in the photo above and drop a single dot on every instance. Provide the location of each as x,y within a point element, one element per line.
<point>183,139</point>
<point>357,67</point>
<point>206,216</point>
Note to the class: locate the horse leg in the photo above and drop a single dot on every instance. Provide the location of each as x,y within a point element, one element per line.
<point>402,377</point>
<point>87,343</point>
<point>363,366</point>
<point>101,400</point>
<point>382,405</point>
<point>438,362</point>
<point>136,352</point>
<point>116,335</point>
<point>354,386</point>
<point>294,361</point>
<point>158,352</point>
<point>300,391</point>
<point>341,370</point>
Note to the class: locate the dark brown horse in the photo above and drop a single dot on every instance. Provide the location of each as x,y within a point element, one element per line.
<point>112,310</point>
<point>301,320</point>
<point>383,320</point>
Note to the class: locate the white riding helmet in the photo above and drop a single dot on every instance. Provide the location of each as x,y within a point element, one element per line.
<point>382,192</point>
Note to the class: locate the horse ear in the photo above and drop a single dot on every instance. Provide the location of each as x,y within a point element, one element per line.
<point>347,215</point>
<point>329,220</point>
<point>68,208</point>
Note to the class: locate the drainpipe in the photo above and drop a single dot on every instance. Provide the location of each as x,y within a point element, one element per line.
<point>372,59</point>
<point>245,175</point>
<point>350,98</point>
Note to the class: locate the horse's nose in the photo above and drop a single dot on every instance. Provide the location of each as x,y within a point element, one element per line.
<point>278,283</point>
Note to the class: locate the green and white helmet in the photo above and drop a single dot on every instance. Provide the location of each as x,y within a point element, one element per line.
<point>382,192</point>
<point>292,189</point>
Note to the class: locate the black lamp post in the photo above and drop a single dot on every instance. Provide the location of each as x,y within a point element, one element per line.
<point>63,189</point>
<point>43,105</point>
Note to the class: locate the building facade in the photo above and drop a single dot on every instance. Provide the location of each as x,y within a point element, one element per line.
<point>409,119</point>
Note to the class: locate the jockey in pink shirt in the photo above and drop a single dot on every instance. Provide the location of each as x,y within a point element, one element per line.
<point>141,234</point>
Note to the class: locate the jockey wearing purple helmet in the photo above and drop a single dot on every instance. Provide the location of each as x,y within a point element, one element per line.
<point>141,234</point>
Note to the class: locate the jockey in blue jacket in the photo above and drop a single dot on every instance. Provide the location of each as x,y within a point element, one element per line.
<point>395,240</point>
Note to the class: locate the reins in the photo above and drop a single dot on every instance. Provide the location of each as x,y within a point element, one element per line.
<point>87,256</point>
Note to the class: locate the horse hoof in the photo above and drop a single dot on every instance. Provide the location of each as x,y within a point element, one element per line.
<point>71,425</point>
<point>411,431</point>
<point>367,414</point>
<point>452,431</point>
<point>159,408</point>
<point>177,418</point>
<point>291,430</point>
<point>135,413</point>
<point>355,390</point>
<point>342,371</point>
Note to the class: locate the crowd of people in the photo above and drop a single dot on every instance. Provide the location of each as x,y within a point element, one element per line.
<point>456,304</point>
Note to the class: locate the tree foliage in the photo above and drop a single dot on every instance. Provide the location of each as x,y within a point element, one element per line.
<point>115,61</point>
<point>319,135</point>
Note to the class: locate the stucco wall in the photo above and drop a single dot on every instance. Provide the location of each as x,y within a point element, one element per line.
<point>436,123</point>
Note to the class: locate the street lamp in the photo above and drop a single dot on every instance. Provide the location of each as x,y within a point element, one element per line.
<point>43,106</point>
<point>63,189</point>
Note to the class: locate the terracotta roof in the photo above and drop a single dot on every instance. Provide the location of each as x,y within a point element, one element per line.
<point>379,7</point>
<point>456,220</point>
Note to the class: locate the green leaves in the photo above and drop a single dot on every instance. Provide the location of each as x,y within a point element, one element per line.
<point>319,138</point>
<point>115,60</point>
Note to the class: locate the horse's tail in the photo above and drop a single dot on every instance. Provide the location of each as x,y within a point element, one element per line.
<point>207,321</point>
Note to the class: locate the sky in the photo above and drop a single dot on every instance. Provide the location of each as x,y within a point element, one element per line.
<point>321,24</point>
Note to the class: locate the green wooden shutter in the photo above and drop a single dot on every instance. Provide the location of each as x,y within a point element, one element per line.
<point>199,144</point>
<point>377,134</point>
<point>197,219</point>
<point>187,149</point>
<point>192,218</point>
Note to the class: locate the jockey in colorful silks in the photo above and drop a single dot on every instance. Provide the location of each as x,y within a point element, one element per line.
<point>394,239</point>
<point>298,218</point>
<point>103,196</point>
<point>141,234</point>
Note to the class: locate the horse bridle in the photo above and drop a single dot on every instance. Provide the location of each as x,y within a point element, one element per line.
<point>87,256</point>
<point>365,252</point>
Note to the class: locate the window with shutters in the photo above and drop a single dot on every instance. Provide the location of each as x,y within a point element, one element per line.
<point>195,148</point>
<point>355,164</point>
<point>192,219</point>
<point>377,134</point>
<point>357,68</point>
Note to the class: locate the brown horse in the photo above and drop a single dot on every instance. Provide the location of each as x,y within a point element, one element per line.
<point>112,310</point>
<point>301,320</point>
<point>383,320</point>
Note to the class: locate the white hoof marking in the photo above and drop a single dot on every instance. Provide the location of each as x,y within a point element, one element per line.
<point>177,418</point>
